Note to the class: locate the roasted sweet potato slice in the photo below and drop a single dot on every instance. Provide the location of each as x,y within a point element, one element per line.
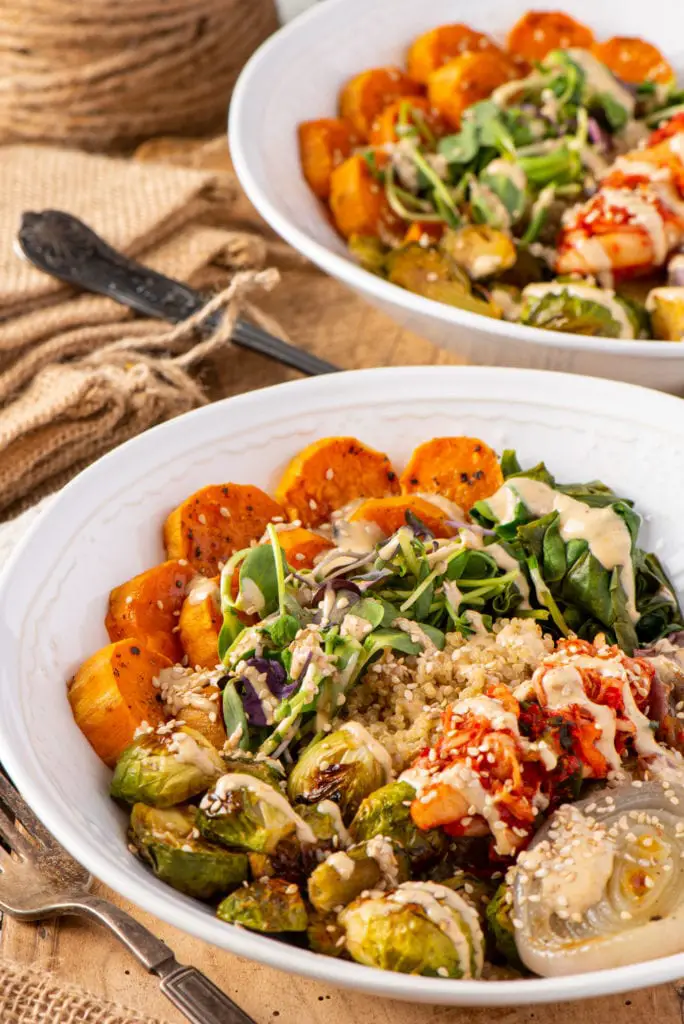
<point>437,47</point>
<point>323,145</point>
<point>113,693</point>
<point>539,32</point>
<point>411,110</point>
<point>215,522</point>
<point>463,469</point>
<point>466,80</point>
<point>366,95</point>
<point>634,60</point>
<point>390,514</point>
<point>146,608</point>
<point>357,200</point>
<point>200,623</point>
<point>302,546</point>
<point>330,473</point>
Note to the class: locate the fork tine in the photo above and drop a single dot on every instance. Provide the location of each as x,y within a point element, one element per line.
<point>10,797</point>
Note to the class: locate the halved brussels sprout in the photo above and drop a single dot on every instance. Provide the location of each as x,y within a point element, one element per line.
<point>272,906</point>
<point>430,273</point>
<point>480,250</point>
<point>577,309</point>
<point>344,875</point>
<point>476,890</point>
<point>247,813</point>
<point>326,822</point>
<point>265,768</point>
<point>168,840</point>
<point>344,766</point>
<point>420,928</point>
<point>163,770</point>
<point>370,252</point>
<point>500,926</point>
<point>387,812</point>
<point>666,306</point>
<point>326,935</point>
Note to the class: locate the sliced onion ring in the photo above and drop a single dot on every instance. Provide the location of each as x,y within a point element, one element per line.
<point>602,884</point>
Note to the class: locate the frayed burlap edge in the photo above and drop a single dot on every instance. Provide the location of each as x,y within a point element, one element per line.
<point>27,997</point>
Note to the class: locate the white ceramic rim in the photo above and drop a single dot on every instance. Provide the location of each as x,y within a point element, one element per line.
<point>269,951</point>
<point>241,125</point>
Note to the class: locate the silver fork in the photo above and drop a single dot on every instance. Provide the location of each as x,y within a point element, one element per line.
<point>39,879</point>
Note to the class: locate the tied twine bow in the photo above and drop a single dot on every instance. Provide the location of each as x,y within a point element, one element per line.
<point>73,412</point>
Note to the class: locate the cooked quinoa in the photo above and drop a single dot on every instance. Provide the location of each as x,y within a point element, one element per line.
<point>400,700</point>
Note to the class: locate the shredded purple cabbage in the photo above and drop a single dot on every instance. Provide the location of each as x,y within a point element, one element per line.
<point>276,680</point>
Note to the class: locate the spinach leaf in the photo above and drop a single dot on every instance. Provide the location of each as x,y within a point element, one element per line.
<point>509,464</point>
<point>259,581</point>
<point>234,715</point>
<point>622,624</point>
<point>229,632</point>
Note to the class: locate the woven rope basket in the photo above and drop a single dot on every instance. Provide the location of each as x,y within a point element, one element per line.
<point>98,73</point>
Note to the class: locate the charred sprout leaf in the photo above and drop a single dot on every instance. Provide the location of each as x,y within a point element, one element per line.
<point>326,934</point>
<point>245,813</point>
<point>270,906</point>
<point>166,770</point>
<point>290,860</point>
<point>345,874</point>
<point>370,252</point>
<point>387,812</point>
<point>325,823</point>
<point>500,927</point>
<point>479,250</point>
<point>342,767</point>
<point>166,839</point>
<point>555,308</point>
<point>396,933</point>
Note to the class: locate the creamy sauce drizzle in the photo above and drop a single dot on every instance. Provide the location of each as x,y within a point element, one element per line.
<point>265,793</point>
<point>507,562</point>
<point>330,808</point>
<point>364,739</point>
<point>562,687</point>
<point>188,751</point>
<point>605,532</point>
<point>440,904</point>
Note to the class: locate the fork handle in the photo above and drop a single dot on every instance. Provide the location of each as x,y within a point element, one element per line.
<point>187,988</point>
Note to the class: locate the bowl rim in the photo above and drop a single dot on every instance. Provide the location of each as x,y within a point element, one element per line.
<point>240,128</point>
<point>260,948</point>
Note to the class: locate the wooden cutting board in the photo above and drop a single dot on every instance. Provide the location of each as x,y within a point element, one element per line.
<point>327,319</point>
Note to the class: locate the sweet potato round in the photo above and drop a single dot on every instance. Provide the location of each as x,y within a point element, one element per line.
<point>145,608</point>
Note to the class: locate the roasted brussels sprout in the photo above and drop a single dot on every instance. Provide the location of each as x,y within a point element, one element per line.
<point>326,934</point>
<point>477,891</point>
<point>420,928</point>
<point>370,252</point>
<point>577,309</point>
<point>344,875</point>
<point>344,767</point>
<point>430,273</point>
<point>480,250</point>
<point>163,770</point>
<point>272,905</point>
<point>265,768</point>
<point>500,927</point>
<point>168,840</point>
<point>326,823</point>
<point>666,306</point>
<point>387,812</point>
<point>245,812</point>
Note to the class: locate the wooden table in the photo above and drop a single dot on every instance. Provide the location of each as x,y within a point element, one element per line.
<point>327,319</point>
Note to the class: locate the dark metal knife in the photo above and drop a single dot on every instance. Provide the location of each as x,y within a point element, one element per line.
<point>64,247</point>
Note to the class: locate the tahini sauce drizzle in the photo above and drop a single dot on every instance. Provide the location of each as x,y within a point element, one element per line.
<point>605,532</point>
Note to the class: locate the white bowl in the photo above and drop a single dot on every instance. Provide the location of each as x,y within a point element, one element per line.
<point>297,75</point>
<point>106,526</point>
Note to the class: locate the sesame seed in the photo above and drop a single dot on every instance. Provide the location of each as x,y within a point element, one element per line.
<point>202,519</point>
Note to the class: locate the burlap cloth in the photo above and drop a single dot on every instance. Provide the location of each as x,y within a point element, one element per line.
<point>79,374</point>
<point>27,997</point>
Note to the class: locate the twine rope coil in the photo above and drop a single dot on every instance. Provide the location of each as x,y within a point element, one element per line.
<point>99,72</point>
